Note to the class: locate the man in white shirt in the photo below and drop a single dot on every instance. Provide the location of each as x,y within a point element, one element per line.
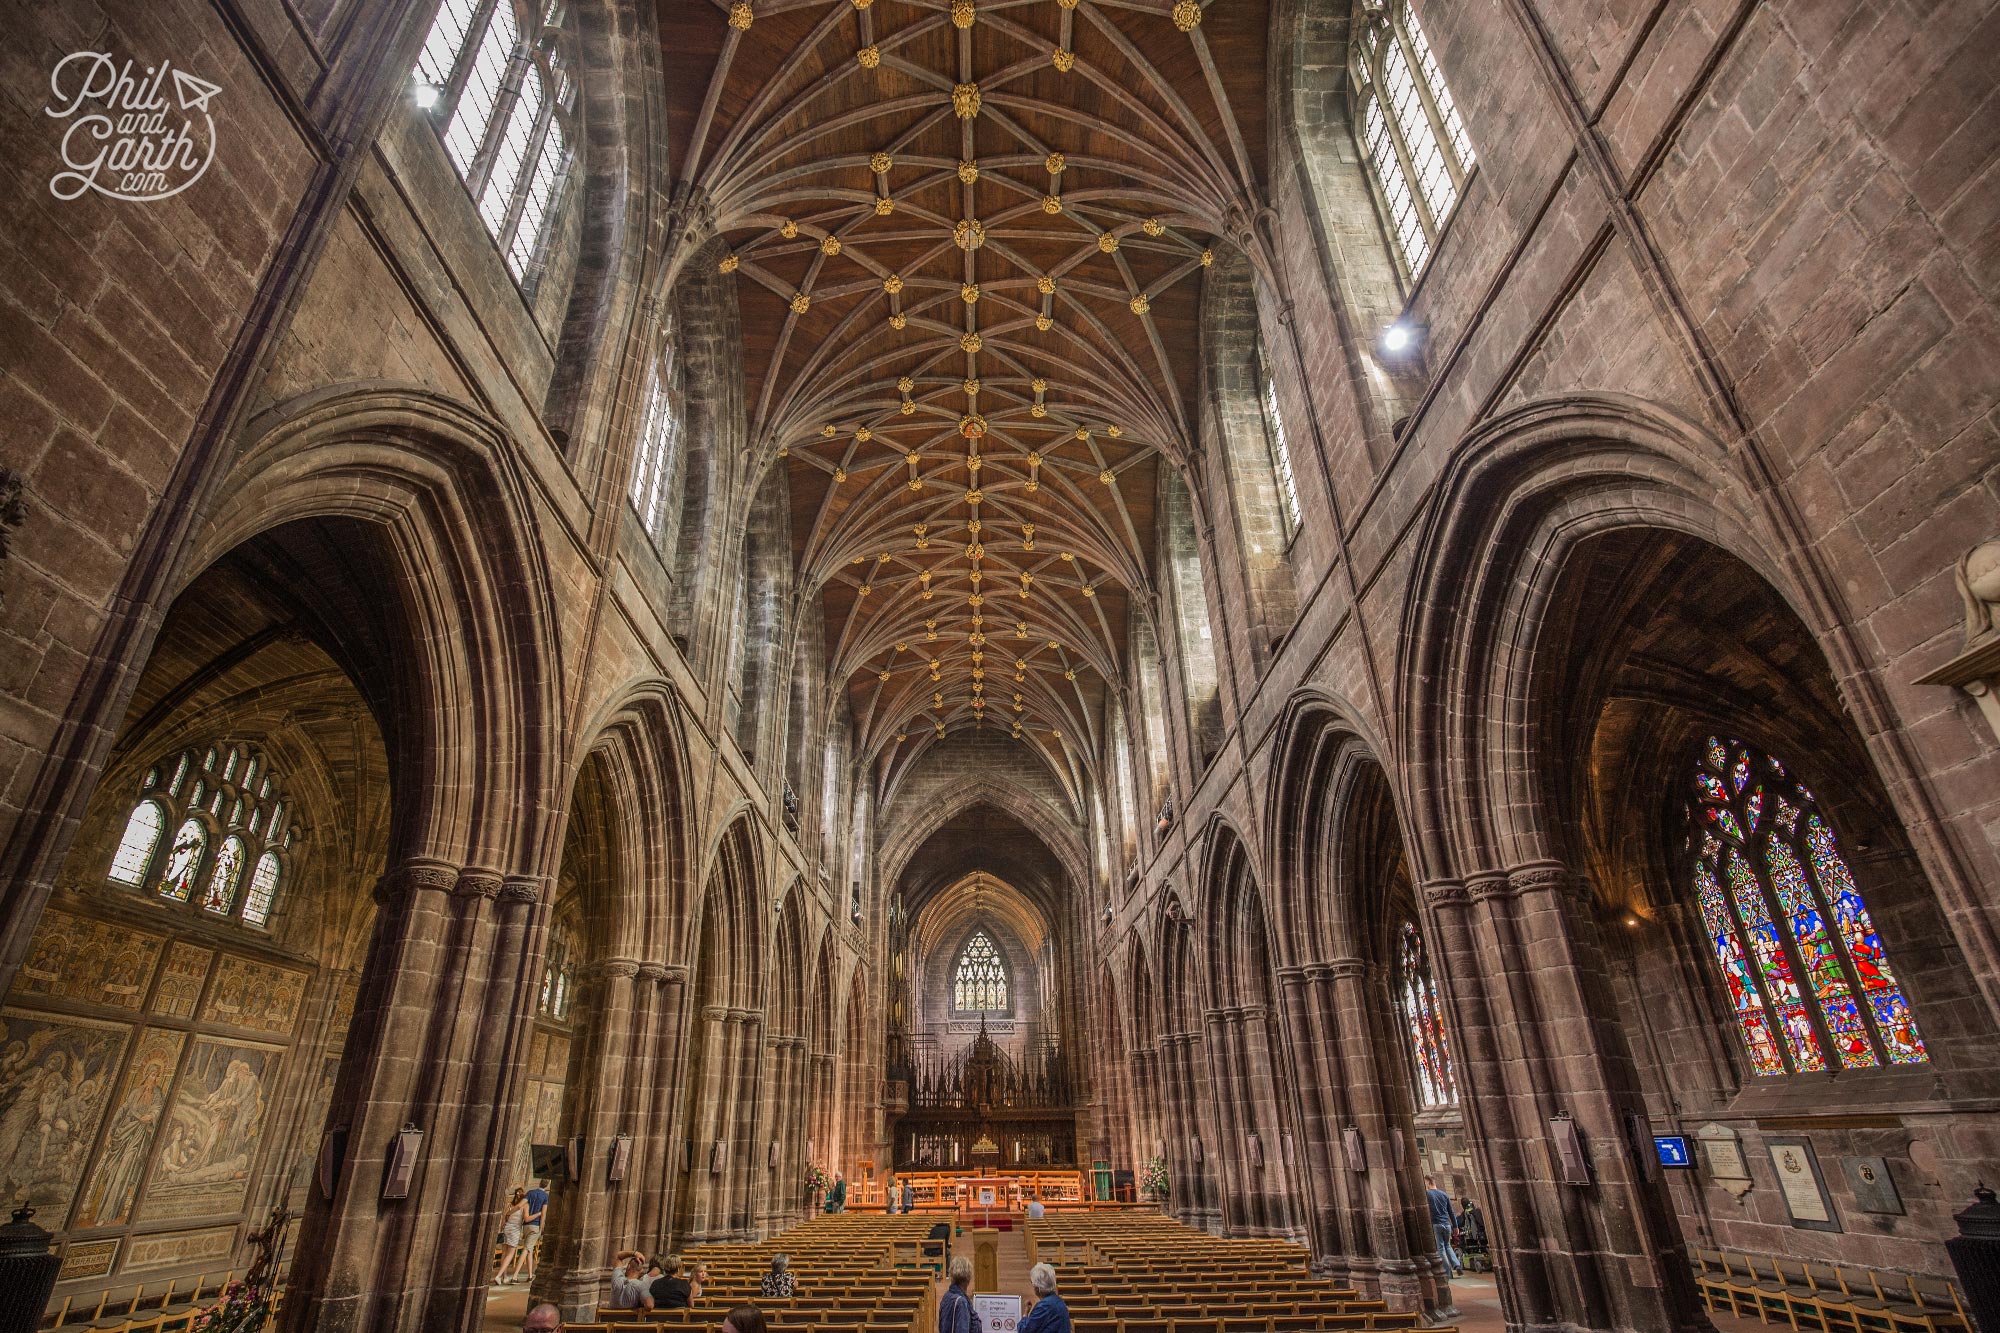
<point>1035,1210</point>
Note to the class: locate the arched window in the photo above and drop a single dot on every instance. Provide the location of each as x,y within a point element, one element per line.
<point>135,849</point>
<point>1416,145</point>
<point>504,103</point>
<point>223,879</point>
<point>1281,446</point>
<point>263,890</point>
<point>238,799</point>
<point>184,861</point>
<point>979,983</point>
<point>658,450</point>
<point>1423,1019</point>
<point>558,975</point>
<point>1807,973</point>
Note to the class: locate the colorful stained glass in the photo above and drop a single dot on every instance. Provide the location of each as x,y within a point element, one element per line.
<point>1821,963</point>
<point>228,872</point>
<point>1893,1020</point>
<point>1743,994</point>
<point>1423,1016</point>
<point>190,842</point>
<point>1769,951</point>
<point>1790,903</point>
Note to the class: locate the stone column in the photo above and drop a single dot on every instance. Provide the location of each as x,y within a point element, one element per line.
<point>438,1043</point>
<point>1537,1038</point>
<point>656,1111</point>
<point>1321,1160</point>
<point>583,1227</point>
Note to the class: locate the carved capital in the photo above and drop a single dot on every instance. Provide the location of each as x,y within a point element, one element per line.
<point>1346,969</point>
<point>413,877</point>
<point>653,972</point>
<point>521,889</point>
<point>1540,877</point>
<point>1487,886</point>
<point>1445,893</point>
<point>617,967</point>
<point>477,884</point>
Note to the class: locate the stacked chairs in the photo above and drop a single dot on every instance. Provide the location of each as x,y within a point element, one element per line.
<point>1822,1297</point>
<point>171,1309</point>
<point>1144,1273</point>
<point>855,1273</point>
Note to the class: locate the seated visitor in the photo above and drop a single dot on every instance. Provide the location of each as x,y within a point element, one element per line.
<point>1035,1209</point>
<point>673,1291</point>
<point>629,1290</point>
<point>779,1283</point>
<point>744,1319</point>
<point>1050,1315</point>
<point>696,1281</point>
<point>542,1318</point>
<point>955,1313</point>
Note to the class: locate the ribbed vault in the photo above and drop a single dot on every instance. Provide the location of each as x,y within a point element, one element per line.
<point>968,236</point>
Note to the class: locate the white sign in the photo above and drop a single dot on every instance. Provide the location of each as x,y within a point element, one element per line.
<point>127,139</point>
<point>998,1314</point>
<point>987,1196</point>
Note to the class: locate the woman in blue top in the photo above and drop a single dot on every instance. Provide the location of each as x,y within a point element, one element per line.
<point>1050,1315</point>
<point>955,1313</point>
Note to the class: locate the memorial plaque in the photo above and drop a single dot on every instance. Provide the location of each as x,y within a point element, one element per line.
<point>1722,1152</point>
<point>1799,1181</point>
<point>1874,1188</point>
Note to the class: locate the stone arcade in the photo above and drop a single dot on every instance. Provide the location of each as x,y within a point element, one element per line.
<point>1266,596</point>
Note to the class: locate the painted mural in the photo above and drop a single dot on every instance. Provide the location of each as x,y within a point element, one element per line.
<point>180,979</point>
<point>115,1181</point>
<point>99,962</point>
<point>55,1078</point>
<point>211,1135</point>
<point>259,996</point>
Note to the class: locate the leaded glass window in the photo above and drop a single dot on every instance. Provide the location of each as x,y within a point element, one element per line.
<point>1418,151</point>
<point>1423,1020</point>
<point>558,975</point>
<point>135,849</point>
<point>227,827</point>
<point>1807,974</point>
<point>657,452</point>
<point>979,983</point>
<point>504,105</point>
<point>1281,454</point>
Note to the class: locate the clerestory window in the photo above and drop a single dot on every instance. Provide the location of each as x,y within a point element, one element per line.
<point>1418,152</point>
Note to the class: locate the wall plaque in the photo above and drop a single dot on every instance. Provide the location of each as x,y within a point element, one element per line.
<point>1874,1188</point>
<point>1722,1153</point>
<point>1799,1181</point>
<point>1573,1167</point>
<point>1357,1154</point>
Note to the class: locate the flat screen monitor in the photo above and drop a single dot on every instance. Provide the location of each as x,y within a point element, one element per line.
<point>1673,1151</point>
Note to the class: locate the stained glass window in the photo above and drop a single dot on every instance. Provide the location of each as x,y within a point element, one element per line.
<point>1789,931</point>
<point>240,804</point>
<point>263,890</point>
<point>979,984</point>
<point>1423,1017</point>
<point>184,861</point>
<point>223,879</point>
<point>135,849</point>
<point>1416,144</point>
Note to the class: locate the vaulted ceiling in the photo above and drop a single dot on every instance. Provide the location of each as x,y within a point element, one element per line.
<point>969,237</point>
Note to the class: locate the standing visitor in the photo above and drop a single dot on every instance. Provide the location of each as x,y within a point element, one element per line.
<point>1441,1223</point>
<point>1471,1231</point>
<point>1050,1315</point>
<point>955,1314</point>
<point>909,1197</point>
<point>836,1199</point>
<point>537,1203</point>
<point>510,1232</point>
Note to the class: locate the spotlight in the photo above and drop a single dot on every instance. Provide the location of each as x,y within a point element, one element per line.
<point>1398,337</point>
<point>427,94</point>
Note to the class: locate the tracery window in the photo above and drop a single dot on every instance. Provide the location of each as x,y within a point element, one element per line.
<point>1281,450</point>
<point>505,105</point>
<point>1423,1020</point>
<point>979,983</point>
<point>658,450</point>
<point>1807,973</point>
<point>558,975</point>
<point>1418,151</point>
<point>228,816</point>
